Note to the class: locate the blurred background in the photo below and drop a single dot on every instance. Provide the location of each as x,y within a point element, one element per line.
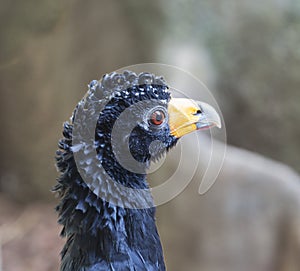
<point>246,52</point>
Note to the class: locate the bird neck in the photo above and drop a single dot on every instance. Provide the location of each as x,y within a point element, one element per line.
<point>100,235</point>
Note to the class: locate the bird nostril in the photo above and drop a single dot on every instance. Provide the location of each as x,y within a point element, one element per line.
<point>198,112</point>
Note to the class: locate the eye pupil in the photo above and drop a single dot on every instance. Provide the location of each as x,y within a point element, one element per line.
<point>157,117</point>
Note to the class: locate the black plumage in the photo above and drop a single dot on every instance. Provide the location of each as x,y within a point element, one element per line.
<point>101,235</point>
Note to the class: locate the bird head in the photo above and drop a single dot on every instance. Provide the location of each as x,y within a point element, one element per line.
<point>138,120</point>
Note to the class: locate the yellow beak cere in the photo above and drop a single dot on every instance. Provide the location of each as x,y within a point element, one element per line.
<point>187,115</point>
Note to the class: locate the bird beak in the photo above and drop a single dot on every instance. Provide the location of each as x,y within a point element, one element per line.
<point>186,116</point>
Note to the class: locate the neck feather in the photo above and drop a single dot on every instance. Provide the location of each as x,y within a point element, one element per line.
<point>102,236</point>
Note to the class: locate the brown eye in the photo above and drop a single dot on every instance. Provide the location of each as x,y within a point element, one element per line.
<point>157,117</point>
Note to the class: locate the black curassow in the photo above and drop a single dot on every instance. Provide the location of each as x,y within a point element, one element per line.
<point>105,228</point>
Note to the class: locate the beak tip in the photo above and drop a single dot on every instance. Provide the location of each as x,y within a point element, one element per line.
<point>219,123</point>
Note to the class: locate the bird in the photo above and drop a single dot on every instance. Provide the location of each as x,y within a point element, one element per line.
<point>118,121</point>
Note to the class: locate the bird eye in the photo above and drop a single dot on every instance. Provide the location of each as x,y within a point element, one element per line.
<point>157,117</point>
